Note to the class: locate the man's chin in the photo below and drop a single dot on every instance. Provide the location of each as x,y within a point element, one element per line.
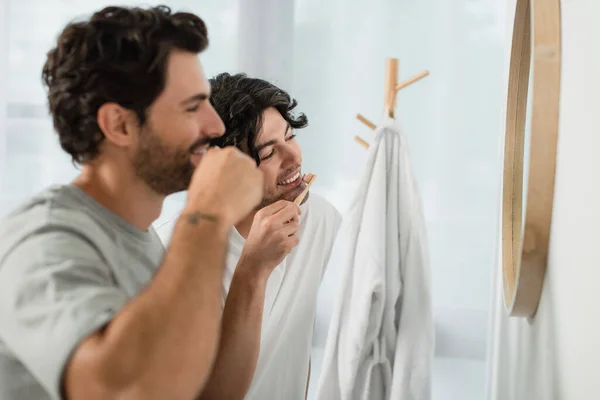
<point>289,196</point>
<point>294,193</point>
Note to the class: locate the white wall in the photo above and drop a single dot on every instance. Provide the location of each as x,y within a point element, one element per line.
<point>265,38</point>
<point>557,354</point>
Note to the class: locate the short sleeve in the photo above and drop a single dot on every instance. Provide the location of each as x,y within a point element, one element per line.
<point>165,231</point>
<point>55,290</point>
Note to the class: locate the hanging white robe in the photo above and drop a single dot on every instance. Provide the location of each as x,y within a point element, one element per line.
<point>380,342</point>
<point>290,302</point>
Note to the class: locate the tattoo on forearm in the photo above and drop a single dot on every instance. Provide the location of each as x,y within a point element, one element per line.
<point>195,218</point>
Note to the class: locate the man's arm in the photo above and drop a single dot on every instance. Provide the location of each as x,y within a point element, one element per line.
<point>162,344</point>
<point>271,238</point>
<point>240,337</point>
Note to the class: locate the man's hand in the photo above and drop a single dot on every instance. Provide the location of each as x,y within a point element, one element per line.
<point>272,236</point>
<point>227,184</point>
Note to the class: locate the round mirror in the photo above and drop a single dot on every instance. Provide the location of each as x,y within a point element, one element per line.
<point>532,113</point>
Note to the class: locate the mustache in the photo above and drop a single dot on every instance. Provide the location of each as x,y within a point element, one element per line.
<point>199,143</point>
<point>288,171</point>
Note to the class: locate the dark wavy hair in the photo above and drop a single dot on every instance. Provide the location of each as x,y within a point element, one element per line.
<point>119,55</point>
<point>240,102</point>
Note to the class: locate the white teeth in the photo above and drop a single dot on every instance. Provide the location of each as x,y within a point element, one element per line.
<point>292,179</point>
<point>200,151</point>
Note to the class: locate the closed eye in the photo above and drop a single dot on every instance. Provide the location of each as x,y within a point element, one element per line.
<point>193,108</point>
<point>271,154</point>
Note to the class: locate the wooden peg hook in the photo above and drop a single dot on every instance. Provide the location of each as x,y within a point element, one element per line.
<point>391,89</point>
<point>361,142</point>
<point>412,80</point>
<point>391,81</point>
<point>366,121</point>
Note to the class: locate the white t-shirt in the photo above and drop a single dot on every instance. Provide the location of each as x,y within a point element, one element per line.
<point>290,301</point>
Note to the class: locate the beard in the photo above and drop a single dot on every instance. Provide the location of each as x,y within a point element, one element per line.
<point>163,169</point>
<point>273,195</point>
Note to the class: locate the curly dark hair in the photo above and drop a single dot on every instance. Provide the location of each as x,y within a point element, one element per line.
<point>119,55</point>
<point>240,102</point>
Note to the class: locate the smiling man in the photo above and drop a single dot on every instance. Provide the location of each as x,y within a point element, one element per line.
<point>91,305</point>
<point>277,254</point>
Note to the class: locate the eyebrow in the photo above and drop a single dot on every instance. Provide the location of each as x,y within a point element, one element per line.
<point>273,141</point>
<point>196,97</point>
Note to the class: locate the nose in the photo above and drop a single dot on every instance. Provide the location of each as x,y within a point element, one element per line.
<point>293,154</point>
<point>212,125</point>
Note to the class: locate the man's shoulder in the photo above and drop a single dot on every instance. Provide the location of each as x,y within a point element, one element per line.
<point>321,208</point>
<point>56,204</point>
<point>50,211</point>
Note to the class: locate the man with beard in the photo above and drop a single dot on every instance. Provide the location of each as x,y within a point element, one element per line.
<point>280,248</point>
<point>91,307</point>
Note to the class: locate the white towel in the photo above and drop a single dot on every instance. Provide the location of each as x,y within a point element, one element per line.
<point>380,342</point>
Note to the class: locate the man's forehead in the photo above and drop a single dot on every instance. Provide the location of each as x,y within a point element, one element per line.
<point>270,135</point>
<point>273,125</point>
<point>185,75</point>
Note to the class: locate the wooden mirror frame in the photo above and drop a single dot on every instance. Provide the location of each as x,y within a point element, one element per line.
<point>525,251</point>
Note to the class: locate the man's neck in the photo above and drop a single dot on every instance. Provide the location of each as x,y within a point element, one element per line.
<point>122,193</point>
<point>243,227</point>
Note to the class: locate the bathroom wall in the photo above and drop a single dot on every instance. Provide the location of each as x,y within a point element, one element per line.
<point>556,355</point>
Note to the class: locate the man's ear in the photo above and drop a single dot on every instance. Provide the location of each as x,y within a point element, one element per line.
<point>118,124</point>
